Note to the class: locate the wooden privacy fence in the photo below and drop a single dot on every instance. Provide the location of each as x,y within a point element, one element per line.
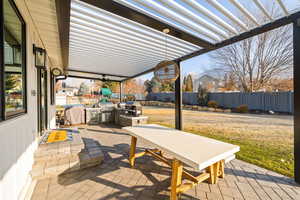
<point>264,101</point>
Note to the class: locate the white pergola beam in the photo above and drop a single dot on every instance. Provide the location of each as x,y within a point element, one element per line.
<point>107,19</point>
<point>201,9</point>
<point>263,9</point>
<point>237,4</point>
<point>132,53</point>
<point>89,27</point>
<point>282,6</point>
<point>139,36</point>
<point>159,18</point>
<point>228,14</point>
<point>193,17</point>
<point>153,5</point>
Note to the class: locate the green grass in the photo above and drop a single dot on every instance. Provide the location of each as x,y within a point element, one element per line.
<point>275,156</point>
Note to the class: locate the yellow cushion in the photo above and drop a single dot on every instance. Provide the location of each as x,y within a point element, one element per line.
<point>57,136</point>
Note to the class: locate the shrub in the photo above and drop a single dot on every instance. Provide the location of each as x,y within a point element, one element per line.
<point>242,109</point>
<point>202,96</point>
<point>212,104</point>
<point>130,97</point>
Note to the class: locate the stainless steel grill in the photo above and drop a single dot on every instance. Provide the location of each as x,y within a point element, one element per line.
<point>133,108</point>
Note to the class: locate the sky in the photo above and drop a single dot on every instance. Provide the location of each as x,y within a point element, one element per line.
<point>199,64</point>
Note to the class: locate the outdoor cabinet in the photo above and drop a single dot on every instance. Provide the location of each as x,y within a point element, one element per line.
<point>106,117</point>
<point>92,115</point>
<point>99,115</point>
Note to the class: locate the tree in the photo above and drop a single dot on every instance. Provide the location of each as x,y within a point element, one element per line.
<point>112,85</point>
<point>153,85</point>
<point>148,86</point>
<point>202,96</point>
<point>229,82</point>
<point>189,83</point>
<point>168,86</point>
<point>83,89</point>
<point>97,85</point>
<point>256,61</point>
<point>133,86</point>
<point>184,84</point>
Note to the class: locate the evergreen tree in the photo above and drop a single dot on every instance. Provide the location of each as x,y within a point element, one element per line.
<point>189,84</point>
<point>184,84</point>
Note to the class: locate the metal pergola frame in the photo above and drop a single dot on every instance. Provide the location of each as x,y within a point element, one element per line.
<point>63,13</point>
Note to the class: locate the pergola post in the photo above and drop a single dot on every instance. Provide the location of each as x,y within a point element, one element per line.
<point>120,84</point>
<point>178,101</point>
<point>296,37</point>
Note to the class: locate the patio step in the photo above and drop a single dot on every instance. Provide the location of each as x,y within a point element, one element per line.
<point>64,160</point>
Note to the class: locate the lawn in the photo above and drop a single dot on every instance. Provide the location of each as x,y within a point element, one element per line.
<point>265,140</point>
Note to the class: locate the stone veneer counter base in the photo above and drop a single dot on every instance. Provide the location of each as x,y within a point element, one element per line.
<point>126,120</point>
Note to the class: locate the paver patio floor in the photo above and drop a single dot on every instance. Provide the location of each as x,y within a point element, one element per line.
<point>150,179</point>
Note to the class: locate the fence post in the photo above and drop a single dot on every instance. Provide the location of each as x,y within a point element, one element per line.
<point>296,37</point>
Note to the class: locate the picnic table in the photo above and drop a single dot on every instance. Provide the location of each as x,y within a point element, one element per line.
<point>201,153</point>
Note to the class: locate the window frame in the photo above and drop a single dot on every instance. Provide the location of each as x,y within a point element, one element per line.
<point>3,114</point>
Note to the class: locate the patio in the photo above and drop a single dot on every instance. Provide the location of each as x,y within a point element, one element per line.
<point>150,179</point>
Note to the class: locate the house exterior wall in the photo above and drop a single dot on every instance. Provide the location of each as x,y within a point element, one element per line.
<point>19,136</point>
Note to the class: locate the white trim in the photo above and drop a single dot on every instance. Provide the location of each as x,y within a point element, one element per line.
<point>28,189</point>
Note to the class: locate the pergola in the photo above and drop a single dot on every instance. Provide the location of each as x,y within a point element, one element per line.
<point>119,40</point>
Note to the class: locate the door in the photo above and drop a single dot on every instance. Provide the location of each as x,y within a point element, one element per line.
<point>42,100</point>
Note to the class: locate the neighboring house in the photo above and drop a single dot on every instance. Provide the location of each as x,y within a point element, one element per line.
<point>69,91</point>
<point>206,81</point>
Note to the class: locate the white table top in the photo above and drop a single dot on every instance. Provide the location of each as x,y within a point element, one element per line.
<point>196,151</point>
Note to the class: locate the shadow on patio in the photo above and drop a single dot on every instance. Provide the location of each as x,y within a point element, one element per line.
<point>150,179</point>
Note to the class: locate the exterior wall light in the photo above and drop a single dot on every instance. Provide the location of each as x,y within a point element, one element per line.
<point>40,57</point>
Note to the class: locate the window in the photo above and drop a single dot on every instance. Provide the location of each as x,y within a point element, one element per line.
<point>13,61</point>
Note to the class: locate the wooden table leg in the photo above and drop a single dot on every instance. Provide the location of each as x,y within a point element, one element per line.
<point>176,179</point>
<point>132,151</point>
<point>213,170</point>
<point>222,169</point>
